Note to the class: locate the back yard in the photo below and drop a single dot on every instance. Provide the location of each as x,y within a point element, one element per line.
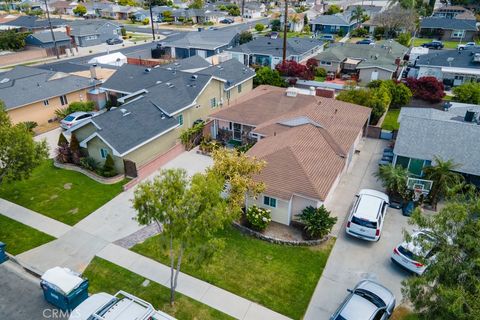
<point>63,195</point>
<point>281,278</point>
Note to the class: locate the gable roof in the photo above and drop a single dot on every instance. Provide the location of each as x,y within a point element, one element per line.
<point>25,85</point>
<point>46,37</point>
<point>333,20</point>
<point>450,58</point>
<point>206,39</point>
<point>89,27</point>
<point>232,71</point>
<point>425,133</point>
<point>32,22</point>
<point>190,63</point>
<point>448,24</point>
<point>273,47</point>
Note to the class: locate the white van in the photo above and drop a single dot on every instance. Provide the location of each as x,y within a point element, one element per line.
<point>367,215</point>
<point>121,306</point>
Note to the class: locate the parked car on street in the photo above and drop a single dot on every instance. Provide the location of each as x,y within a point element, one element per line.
<point>366,41</point>
<point>368,215</point>
<point>327,37</point>
<point>75,118</point>
<point>112,41</point>
<point>410,254</point>
<point>466,45</point>
<point>272,35</point>
<point>435,44</point>
<point>227,21</point>
<point>368,300</point>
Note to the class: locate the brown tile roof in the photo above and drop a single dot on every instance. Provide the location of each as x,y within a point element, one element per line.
<point>306,142</point>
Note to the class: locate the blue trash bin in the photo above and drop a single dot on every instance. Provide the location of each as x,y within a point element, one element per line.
<point>65,301</point>
<point>3,255</point>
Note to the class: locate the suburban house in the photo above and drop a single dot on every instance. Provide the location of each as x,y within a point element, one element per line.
<point>425,133</point>
<point>265,51</point>
<point>33,94</point>
<point>63,7</point>
<point>363,62</point>
<point>295,21</point>
<point>450,12</point>
<point>198,16</point>
<point>453,67</point>
<point>254,10</point>
<point>333,24</point>
<point>87,33</point>
<point>205,43</point>
<point>449,28</point>
<point>45,40</point>
<point>118,12</point>
<point>32,24</point>
<point>307,141</point>
<point>156,105</point>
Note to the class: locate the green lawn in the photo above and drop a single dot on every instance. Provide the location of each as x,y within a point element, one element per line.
<point>63,195</point>
<point>107,277</point>
<point>281,278</point>
<point>19,237</point>
<point>390,121</point>
<point>296,34</point>
<point>447,44</point>
<point>138,37</point>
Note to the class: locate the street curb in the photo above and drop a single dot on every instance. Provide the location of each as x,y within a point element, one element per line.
<point>30,270</point>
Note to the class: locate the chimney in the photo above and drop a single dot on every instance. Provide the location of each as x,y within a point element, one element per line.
<point>397,62</point>
<point>94,69</point>
<point>68,30</point>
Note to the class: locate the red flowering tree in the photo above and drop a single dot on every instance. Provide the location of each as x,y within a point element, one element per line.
<point>292,68</point>
<point>426,88</point>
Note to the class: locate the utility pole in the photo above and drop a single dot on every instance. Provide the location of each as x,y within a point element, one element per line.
<point>243,8</point>
<point>51,30</point>
<point>151,21</point>
<point>285,28</point>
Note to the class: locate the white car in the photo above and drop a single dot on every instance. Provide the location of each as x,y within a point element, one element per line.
<point>466,45</point>
<point>367,215</point>
<point>121,306</point>
<point>75,118</point>
<point>410,254</point>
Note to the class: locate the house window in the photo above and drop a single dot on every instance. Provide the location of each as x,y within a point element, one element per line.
<point>325,63</point>
<point>63,100</point>
<point>103,153</point>
<point>269,201</point>
<point>230,126</point>
<point>458,33</point>
<point>180,120</point>
<point>213,102</point>
<point>91,37</point>
<point>45,103</point>
<point>239,88</point>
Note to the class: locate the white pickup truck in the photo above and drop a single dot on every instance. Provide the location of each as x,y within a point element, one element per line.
<point>121,306</point>
<point>466,45</point>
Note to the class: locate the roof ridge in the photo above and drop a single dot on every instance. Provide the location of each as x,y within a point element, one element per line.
<point>332,143</point>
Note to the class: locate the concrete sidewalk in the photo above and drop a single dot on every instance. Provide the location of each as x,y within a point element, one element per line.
<point>33,219</point>
<point>204,292</point>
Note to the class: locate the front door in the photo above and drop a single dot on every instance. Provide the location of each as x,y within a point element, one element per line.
<point>237,131</point>
<point>130,168</point>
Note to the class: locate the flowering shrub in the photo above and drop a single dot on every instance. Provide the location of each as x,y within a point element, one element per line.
<point>258,218</point>
<point>291,68</point>
<point>426,88</point>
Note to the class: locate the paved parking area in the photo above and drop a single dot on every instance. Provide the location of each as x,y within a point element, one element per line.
<point>353,260</point>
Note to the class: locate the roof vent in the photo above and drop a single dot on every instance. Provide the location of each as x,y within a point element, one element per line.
<point>4,80</point>
<point>124,112</point>
<point>194,77</point>
<point>162,116</point>
<point>147,70</point>
<point>176,64</point>
<point>291,92</point>
<point>159,81</point>
<point>171,85</point>
<point>469,115</point>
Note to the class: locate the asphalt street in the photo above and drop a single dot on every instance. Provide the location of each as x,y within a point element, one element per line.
<point>21,297</point>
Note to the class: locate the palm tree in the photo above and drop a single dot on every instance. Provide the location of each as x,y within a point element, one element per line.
<point>357,14</point>
<point>394,179</point>
<point>443,176</point>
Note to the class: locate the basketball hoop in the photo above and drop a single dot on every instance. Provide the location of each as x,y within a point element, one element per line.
<point>419,187</point>
<point>417,193</point>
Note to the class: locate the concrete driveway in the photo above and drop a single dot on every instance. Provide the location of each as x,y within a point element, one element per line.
<point>52,140</point>
<point>351,259</point>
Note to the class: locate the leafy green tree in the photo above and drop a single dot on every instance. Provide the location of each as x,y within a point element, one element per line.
<point>393,178</point>
<point>450,287</point>
<point>317,221</point>
<point>234,11</point>
<point>333,9</point>
<point>443,176</point>
<point>469,92</point>
<point>245,36</point>
<point>197,4</point>
<point>400,94</point>
<point>75,150</point>
<point>85,106</point>
<point>145,21</point>
<point>267,76</point>
<point>357,15</point>
<point>259,27</point>
<point>378,99</point>
<point>108,167</point>
<point>189,212</point>
<point>19,153</point>
<point>80,10</point>
<point>404,39</point>
<point>12,40</point>
<point>62,140</point>
<point>237,170</point>
<point>275,25</point>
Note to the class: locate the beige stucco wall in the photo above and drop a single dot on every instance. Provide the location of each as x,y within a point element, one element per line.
<point>94,147</point>
<point>299,203</point>
<point>366,74</point>
<point>41,114</point>
<point>247,86</point>
<point>278,214</point>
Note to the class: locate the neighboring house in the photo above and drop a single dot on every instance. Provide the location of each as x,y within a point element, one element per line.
<point>198,16</point>
<point>204,43</point>
<point>192,64</point>
<point>295,21</point>
<point>379,62</point>
<point>369,10</point>
<point>142,15</point>
<point>117,12</point>
<point>87,33</point>
<point>450,12</point>
<point>181,4</point>
<point>265,51</point>
<point>45,40</point>
<point>333,24</point>
<point>450,66</point>
<point>450,135</point>
<point>32,24</point>
<point>63,7</point>
<point>157,105</point>
<point>253,10</point>
<point>449,29</point>
<point>307,141</point>
<point>33,94</point>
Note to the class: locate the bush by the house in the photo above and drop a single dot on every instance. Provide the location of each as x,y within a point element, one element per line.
<point>30,125</point>
<point>341,33</point>
<point>258,218</point>
<point>275,25</point>
<point>426,88</point>
<point>469,92</point>
<point>404,39</point>
<point>400,94</point>
<point>208,23</point>
<point>145,21</point>
<point>74,149</point>
<point>259,27</point>
<point>207,145</point>
<point>245,36</point>
<point>89,163</point>
<point>317,221</point>
<point>108,169</point>
<point>85,106</point>
<point>62,140</point>
<point>292,68</point>
<point>267,76</point>
<point>321,72</point>
<point>192,136</point>
<point>123,31</point>
<point>360,32</point>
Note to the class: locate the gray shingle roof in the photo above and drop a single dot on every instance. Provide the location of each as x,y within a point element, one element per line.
<point>232,71</point>
<point>273,47</point>
<point>207,39</point>
<point>333,20</point>
<point>46,37</point>
<point>193,62</point>
<point>448,24</point>
<point>126,131</point>
<point>25,85</point>
<point>32,22</point>
<point>425,133</point>
<point>88,27</point>
<point>458,59</point>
